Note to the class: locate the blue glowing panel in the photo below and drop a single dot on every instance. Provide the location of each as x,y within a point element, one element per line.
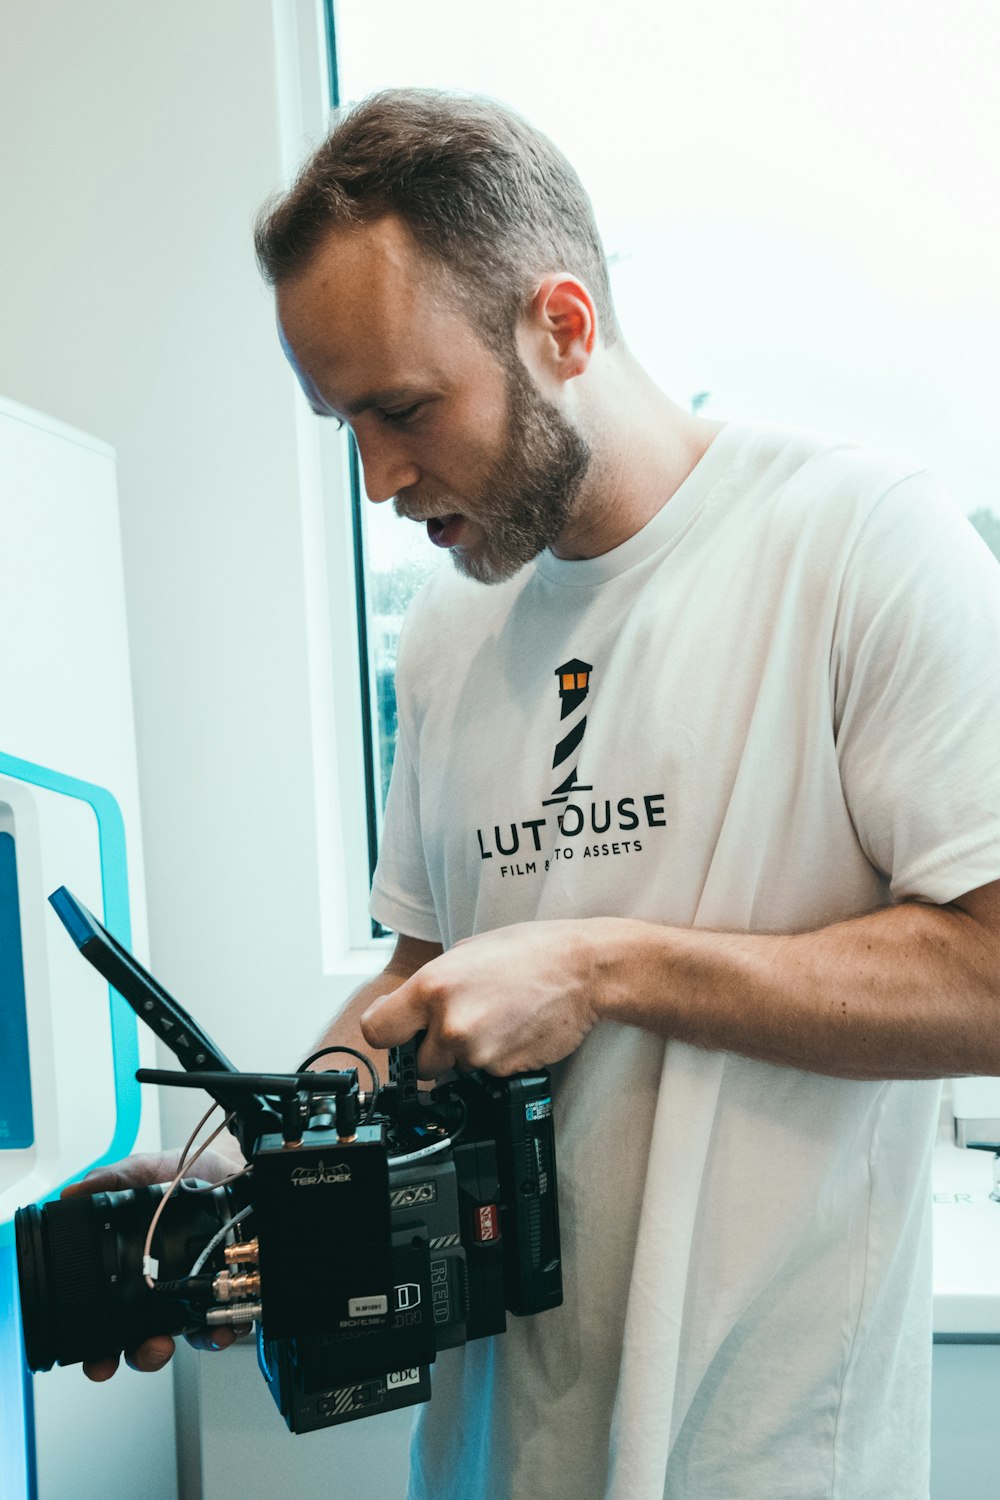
<point>16,1124</point>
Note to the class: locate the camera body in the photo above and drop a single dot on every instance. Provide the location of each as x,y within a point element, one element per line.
<point>367,1232</point>
<point>371,1262</point>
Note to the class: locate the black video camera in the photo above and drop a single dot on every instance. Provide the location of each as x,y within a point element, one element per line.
<point>368,1231</point>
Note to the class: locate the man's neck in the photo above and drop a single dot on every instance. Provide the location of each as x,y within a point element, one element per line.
<point>644,447</point>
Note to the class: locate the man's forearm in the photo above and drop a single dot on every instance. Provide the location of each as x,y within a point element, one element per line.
<point>909,992</point>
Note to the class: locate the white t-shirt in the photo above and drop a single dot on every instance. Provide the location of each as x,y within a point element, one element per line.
<point>775,707</point>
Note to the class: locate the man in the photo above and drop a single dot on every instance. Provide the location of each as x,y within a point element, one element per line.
<point>695,800</point>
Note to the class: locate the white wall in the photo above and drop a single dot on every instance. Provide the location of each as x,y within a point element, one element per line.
<point>137,140</point>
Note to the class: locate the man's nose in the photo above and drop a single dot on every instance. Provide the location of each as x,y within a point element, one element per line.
<point>387,470</point>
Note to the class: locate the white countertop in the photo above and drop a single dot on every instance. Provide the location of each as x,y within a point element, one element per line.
<point>966,1243</point>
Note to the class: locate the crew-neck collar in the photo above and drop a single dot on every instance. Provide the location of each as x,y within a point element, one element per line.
<point>662,528</point>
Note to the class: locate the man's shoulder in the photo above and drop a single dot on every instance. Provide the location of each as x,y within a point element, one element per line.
<point>812,480</point>
<point>781,451</point>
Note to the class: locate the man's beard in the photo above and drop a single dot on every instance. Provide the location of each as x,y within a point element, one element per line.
<point>529,494</point>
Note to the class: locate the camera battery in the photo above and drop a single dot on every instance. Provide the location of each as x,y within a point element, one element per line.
<point>528,1163</point>
<point>322,1221</point>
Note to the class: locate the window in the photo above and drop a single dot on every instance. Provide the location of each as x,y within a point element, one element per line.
<point>798,202</point>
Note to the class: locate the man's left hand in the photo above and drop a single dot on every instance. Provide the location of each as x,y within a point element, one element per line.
<point>507,1001</point>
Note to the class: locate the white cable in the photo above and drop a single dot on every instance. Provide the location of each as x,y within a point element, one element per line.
<point>400,1161</point>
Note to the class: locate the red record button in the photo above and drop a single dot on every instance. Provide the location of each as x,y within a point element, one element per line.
<point>486,1224</point>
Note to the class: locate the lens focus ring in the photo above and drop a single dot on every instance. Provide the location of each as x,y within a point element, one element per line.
<point>84,1311</point>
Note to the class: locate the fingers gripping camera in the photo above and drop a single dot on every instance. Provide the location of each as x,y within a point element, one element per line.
<point>360,1246</point>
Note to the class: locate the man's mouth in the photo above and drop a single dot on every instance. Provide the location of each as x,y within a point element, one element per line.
<point>444,531</point>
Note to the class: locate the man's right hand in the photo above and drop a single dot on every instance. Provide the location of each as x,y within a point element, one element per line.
<point>142,1171</point>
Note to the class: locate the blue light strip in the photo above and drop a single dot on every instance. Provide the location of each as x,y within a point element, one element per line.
<point>114,890</point>
<point>17,1412</point>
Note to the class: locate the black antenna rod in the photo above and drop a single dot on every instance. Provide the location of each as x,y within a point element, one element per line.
<point>283,1085</point>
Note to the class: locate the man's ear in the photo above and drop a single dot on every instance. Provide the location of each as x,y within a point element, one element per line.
<point>561,325</point>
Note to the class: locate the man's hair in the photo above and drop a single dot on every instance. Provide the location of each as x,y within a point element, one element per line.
<point>484,195</point>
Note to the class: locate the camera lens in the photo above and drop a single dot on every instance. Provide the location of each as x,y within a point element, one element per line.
<point>83,1294</point>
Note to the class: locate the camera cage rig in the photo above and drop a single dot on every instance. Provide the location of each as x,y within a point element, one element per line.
<point>427,1214</point>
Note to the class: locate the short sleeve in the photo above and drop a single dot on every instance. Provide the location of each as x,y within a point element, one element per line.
<point>401,897</point>
<point>916,689</point>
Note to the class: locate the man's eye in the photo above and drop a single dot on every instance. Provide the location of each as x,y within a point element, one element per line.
<point>400,418</point>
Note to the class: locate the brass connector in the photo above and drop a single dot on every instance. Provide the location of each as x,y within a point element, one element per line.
<point>244,1252</point>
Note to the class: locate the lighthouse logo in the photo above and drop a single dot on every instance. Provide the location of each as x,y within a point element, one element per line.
<point>608,826</point>
<point>574,685</point>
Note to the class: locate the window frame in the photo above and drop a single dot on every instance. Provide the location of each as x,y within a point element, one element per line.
<point>365,665</point>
